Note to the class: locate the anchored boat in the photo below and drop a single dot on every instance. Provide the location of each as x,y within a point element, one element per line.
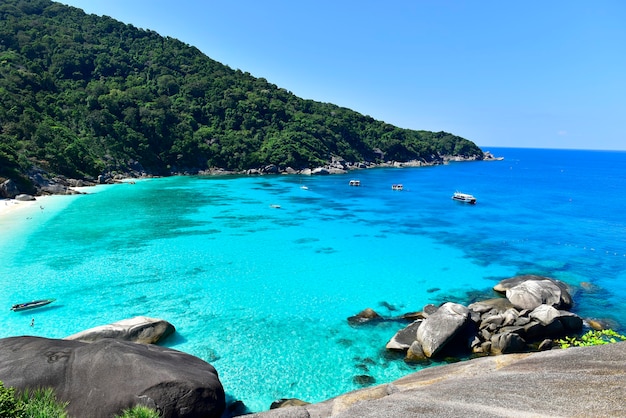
<point>31,305</point>
<point>464,197</point>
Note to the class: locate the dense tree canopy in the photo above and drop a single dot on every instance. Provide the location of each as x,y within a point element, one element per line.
<point>84,94</point>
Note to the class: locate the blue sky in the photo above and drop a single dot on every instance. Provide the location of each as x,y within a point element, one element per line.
<point>540,74</point>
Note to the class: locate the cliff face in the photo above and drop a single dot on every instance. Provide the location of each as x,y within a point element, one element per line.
<point>588,381</point>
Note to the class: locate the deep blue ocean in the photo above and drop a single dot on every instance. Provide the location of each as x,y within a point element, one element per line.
<point>263,292</point>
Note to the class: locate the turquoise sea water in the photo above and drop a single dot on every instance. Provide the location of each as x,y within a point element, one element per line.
<point>263,293</point>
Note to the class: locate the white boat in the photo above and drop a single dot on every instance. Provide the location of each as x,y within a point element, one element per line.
<point>355,182</point>
<point>464,197</point>
<point>397,187</point>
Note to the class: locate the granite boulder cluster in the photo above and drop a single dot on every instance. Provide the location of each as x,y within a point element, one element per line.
<point>532,314</point>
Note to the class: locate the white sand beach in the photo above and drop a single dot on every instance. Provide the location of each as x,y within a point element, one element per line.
<point>10,206</point>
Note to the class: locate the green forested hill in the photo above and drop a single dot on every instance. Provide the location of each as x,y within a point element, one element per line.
<point>83,94</point>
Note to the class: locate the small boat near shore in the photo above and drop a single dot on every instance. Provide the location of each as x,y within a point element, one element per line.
<point>355,183</point>
<point>31,305</point>
<point>397,187</point>
<point>464,198</point>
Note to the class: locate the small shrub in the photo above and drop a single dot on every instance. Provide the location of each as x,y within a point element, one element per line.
<point>40,403</point>
<point>10,406</point>
<point>139,411</point>
<point>605,336</point>
<point>43,403</point>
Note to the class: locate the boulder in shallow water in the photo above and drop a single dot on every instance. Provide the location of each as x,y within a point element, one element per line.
<point>367,315</point>
<point>532,293</point>
<point>441,327</point>
<point>287,402</point>
<point>139,329</point>
<point>101,379</point>
<point>415,354</point>
<point>363,380</point>
<point>563,294</point>
<point>403,339</point>
<point>429,309</point>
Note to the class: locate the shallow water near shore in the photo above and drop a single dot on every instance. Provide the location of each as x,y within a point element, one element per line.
<point>258,274</point>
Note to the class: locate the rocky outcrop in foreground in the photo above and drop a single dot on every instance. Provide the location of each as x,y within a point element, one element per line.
<point>588,381</point>
<point>101,379</point>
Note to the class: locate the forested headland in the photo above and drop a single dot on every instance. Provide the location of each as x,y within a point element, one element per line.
<point>82,95</point>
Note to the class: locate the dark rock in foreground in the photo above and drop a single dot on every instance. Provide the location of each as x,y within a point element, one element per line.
<point>588,381</point>
<point>102,378</point>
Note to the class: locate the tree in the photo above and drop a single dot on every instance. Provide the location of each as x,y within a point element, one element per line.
<point>82,94</point>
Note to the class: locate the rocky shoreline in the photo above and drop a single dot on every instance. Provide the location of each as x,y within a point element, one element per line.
<point>46,184</point>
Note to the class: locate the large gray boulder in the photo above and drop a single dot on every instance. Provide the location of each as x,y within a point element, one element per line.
<point>403,339</point>
<point>533,293</point>
<point>140,329</point>
<point>25,198</point>
<point>544,314</point>
<point>495,305</point>
<point>541,288</point>
<point>441,327</point>
<point>320,171</point>
<point>101,379</point>
<point>505,284</point>
<point>9,189</point>
<point>586,381</point>
<point>507,342</point>
<point>549,322</point>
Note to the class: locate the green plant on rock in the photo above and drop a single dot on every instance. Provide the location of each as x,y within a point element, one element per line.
<point>43,403</point>
<point>139,411</point>
<point>594,337</point>
<point>10,405</point>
